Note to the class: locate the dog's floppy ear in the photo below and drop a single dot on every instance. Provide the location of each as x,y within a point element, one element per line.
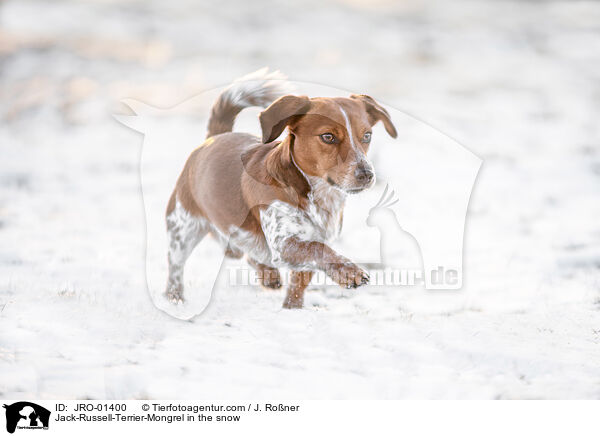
<point>281,168</point>
<point>279,114</point>
<point>376,113</point>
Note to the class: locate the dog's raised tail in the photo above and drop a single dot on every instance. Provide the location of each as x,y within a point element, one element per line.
<point>260,88</point>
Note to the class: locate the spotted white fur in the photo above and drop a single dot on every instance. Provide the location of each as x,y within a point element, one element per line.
<point>250,244</point>
<point>321,221</point>
<point>325,207</point>
<point>280,221</point>
<point>325,204</point>
<point>184,231</point>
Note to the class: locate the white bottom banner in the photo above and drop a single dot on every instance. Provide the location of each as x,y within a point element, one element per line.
<point>299,417</point>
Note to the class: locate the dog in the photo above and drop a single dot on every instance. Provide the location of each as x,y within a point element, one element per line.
<point>277,202</point>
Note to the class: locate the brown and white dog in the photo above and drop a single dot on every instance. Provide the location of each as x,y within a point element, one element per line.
<point>277,202</point>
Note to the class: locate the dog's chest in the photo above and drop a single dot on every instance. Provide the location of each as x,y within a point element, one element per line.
<point>317,218</point>
<point>325,208</point>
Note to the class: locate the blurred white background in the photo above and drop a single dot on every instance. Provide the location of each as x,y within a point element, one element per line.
<point>518,83</point>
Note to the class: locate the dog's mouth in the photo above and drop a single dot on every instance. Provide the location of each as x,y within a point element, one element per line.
<point>353,190</point>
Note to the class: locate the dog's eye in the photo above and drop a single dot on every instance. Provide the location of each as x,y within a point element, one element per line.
<point>366,137</point>
<point>327,138</point>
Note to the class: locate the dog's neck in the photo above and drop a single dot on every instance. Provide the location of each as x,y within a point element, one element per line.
<point>325,195</point>
<point>321,193</point>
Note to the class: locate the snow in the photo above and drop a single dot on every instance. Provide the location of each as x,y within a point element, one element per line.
<point>517,83</point>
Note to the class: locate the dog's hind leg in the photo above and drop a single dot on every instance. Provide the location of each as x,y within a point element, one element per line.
<point>184,232</point>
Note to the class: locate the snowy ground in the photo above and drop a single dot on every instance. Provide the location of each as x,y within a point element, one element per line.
<point>518,83</point>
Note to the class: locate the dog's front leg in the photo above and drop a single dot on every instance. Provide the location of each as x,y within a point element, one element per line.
<point>290,237</point>
<point>299,280</point>
<point>315,255</point>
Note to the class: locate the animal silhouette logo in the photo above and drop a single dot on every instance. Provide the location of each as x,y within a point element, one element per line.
<point>417,224</point>
<point>26,415</point>
<point>398,249</point>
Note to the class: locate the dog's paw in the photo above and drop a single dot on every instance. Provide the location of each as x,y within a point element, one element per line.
<point>348,275</point>
<point>174,296</point>
<point>293,303</point>
<point>270,279</point>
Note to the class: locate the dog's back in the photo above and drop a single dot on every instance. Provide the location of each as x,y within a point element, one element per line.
<point>217,162</point>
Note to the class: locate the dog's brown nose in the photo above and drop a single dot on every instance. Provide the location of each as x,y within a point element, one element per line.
<point>363,175</point>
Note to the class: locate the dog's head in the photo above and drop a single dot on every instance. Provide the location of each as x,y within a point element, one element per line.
<point>328,137</point>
